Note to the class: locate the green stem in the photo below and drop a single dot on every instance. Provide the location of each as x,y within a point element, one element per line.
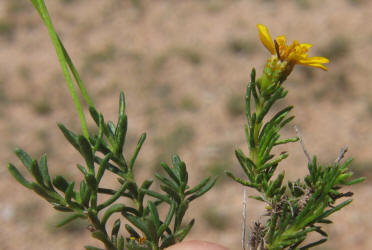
<point>154,246</point>
<point>77,77</point>
<point>41,8</point>
<point>93,218</point>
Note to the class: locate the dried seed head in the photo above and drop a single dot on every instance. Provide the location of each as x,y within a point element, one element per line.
<point>256,238</point>
<point>276,207</point>
<point>304,199</point>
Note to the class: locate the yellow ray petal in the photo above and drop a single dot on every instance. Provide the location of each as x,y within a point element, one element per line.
<point>317,59</point>
<point>318,65</point>
<point>266,38</point>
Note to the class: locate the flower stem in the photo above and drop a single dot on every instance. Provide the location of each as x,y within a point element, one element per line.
<point>41,8</point>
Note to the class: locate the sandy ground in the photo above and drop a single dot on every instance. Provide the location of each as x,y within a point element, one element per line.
<point>184,66</point>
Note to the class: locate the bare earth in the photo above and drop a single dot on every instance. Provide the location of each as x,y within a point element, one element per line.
<point>183,66</point>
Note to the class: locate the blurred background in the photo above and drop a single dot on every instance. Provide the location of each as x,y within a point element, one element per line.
<point>184,66</point>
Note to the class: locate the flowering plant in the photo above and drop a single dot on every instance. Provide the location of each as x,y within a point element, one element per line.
<point>298,208</point>
<point>293,210</point>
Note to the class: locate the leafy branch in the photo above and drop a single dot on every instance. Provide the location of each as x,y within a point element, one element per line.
<point>103,153</point>
<point>296,209</point>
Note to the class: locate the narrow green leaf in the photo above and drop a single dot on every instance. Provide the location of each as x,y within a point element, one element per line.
<point>316,243</point>
<point>49,196</point>
<point>246,164</point>
<point>136,151</point>
<point>170,214</point>
<point>241,181</point>
<point>35,170</point>
<point>84,193</point>
<point>103,167</point>
<point>69,191</point>
<point>321,232</point>
<point>286,121</point>
<point>115,229</point>
<point>86,151</point>
<point>62,208</point>
<point>265,156</point>
<point>275,186</point>
<point>99,139</point>
<point>99,235</point>
<point>251,131</point>
<point>173,194</point>
<point>198,187</point>
<point>259,198</point>
<point>140,224</point>
<point>181,167</point>
<point>122,104</point>
<point>158,196</point>
<point>121,132</point>
<point>24,157</point>
<point>334,209</point>
<point>280,93</point>
<point>44,171</point>
<point>18,176</point>
<point>70,136</point>
<point>141,193</point>
<point>82,169</point>
<point>154,214</point>
<point>167,182</point>
<point>254,84</point>
<point>132,232</point>
<point>347,163</point>
<point>94,114</point>
<point>146,184</point>
<point>168,220</point>
<point>60,183</point>
<point>111,191</point>
<point>287,140</point>
<point>275,121</point>
<point>172,173</point>
<point>70,218</point>
<point>110,167</point>
<point>181,234</point>
<point>111,210</point>
<point>203,190</point>
<point>180,212</point>
<point>111,128</point>
<point>248,101</point>
<point>325,221</point>
<point>114,197</point>
<point>355,181</point>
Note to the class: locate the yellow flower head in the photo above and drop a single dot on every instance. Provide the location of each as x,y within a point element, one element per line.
<point>294,54</point>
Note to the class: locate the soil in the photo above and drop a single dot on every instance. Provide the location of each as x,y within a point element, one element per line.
<point>184,66</point>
